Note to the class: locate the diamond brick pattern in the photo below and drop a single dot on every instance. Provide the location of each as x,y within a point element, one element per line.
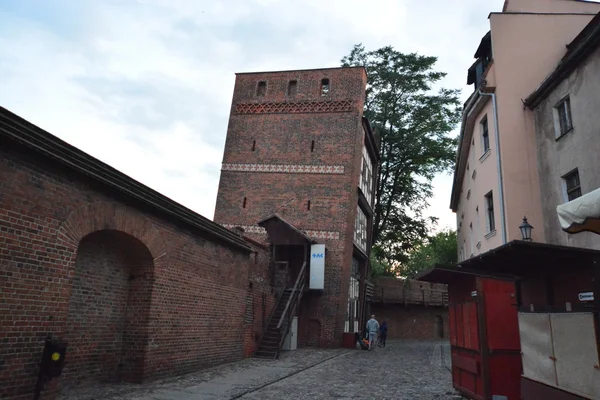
<point>296,108</point>
<point>313,234</point>
<point>284,168</point>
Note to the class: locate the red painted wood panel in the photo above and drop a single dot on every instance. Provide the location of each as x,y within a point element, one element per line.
<point>474,326</point>
<point>452,324</point>
<point>460,334</point>
<point>466,363</point>
<point>505,373</point>
<point>501,315</point>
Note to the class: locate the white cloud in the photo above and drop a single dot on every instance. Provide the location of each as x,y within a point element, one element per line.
<point>146,86</point>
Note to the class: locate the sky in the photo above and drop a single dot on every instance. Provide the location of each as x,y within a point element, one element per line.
<point>146,85</point>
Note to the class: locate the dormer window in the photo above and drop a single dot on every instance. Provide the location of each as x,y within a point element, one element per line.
<point>484,58</point>
<point>324,87</point>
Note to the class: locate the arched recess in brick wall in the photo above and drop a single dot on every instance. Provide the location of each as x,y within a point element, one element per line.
<point>113,253</point>
<point>109,309</point>
<point>103,215</point>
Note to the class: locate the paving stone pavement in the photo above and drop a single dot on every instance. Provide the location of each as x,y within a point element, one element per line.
<point>403,370</point>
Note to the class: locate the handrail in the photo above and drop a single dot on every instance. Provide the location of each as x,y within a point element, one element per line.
<point>293,294</point>
<point>295,303</point>
<point>272,313</point>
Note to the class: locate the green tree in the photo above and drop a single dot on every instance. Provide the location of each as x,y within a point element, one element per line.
<point>414,123</point>
<point>440,248</point>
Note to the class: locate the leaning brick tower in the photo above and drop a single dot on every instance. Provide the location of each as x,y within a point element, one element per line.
<point>298,147</point>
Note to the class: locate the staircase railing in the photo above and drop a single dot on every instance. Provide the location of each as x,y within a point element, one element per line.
<point>291,306</point>
<point>266,328</point>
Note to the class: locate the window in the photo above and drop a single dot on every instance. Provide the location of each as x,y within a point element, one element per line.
<point>253,145</point>
<point>244,202</point>
<point>324,87</point>
<point>474,174</point>
<point>312,146</point>
<point>489,203</point>
<point>469,194</point>
<point>292,88</point>
<point>351,324</point>
<point>573,185</point>
<point>367,182</point>
<point>360,229</point>
<point>261,90</point>
<point>485,135</point>
<point>563,113</point>
<point>308,206</point>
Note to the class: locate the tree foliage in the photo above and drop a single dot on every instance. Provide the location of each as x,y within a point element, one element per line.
<point>414,124</point>
<point>440,248</point>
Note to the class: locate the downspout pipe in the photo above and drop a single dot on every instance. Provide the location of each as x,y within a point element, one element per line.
<point>498,165</point>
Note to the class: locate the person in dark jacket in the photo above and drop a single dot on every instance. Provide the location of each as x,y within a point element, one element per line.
<point>382,333</point>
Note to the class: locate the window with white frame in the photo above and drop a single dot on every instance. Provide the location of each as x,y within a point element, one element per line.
<point>351,324</point>
<point>366,177</point>
<point>563,120</point>
<point>572,185</point>
<point>485,135</point>
<point>360,229</point>
<point>489,206</point>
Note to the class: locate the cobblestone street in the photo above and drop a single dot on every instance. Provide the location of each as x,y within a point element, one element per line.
<point>402,370</point>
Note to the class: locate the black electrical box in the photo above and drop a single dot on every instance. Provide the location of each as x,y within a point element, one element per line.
<point>53,358</point>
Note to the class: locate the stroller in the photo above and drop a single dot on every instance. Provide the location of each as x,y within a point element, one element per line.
<point>363,341</point>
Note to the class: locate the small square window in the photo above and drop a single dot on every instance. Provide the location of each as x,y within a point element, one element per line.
<point>572,185</point>
<point>485,135</point>
<point>324,87</point>
<point>564,120</point>
<point>292,88</point>
<point>261,90</point>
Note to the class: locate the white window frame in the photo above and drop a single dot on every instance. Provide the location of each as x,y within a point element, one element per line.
<point>563,105</point>
<point>565,177</point>
<point>484,127</point>
<point>490,216</point>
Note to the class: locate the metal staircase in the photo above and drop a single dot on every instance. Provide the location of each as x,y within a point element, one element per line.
<point>281,318</point>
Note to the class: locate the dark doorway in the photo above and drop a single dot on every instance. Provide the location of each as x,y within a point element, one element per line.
<point>439,327</point>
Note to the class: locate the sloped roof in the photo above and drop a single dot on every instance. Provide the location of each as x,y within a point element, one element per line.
<point>35,139</point>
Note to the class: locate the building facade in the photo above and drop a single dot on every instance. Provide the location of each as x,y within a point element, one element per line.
<point>496,181</point>
<point>298,149</point>
<point>567,128</point>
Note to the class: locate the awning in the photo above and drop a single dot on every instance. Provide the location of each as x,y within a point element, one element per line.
<point>281,232</point>
<point>581,214</point>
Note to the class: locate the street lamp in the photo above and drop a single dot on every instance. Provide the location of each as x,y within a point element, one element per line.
<point>526,229</point>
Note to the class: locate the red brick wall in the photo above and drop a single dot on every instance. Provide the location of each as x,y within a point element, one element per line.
<point>286,138</point>
<point>411,322</point>
<point>260,299</point>
<point>191,317</point>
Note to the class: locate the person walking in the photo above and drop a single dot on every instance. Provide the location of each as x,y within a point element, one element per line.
<point>372,328</point>
<point>382,333</point>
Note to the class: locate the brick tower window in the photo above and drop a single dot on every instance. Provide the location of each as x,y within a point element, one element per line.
<point>261,90</point>
<point>244,202</point>
<point>324,87</point>
<point>253,145</point>
<point>292,88</point>
<point>308,206</point>
<point>312,146</point>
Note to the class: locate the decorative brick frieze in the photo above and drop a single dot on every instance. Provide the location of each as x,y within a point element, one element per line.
<point>296,108</point>
<point>313,234</point>
<point>284,168</point>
